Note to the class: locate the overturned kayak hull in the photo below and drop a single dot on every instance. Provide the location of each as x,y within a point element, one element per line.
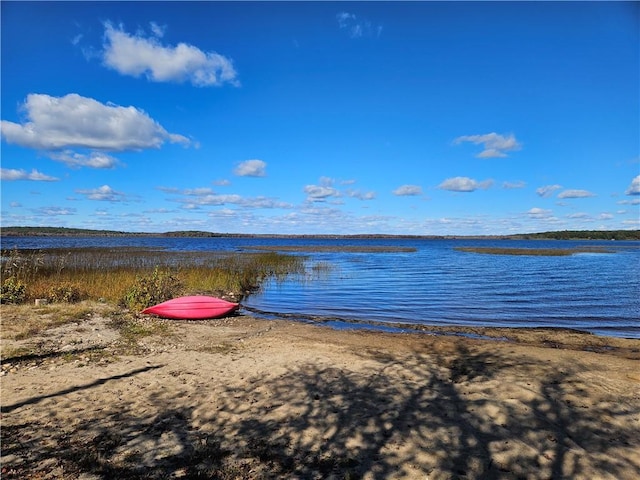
<point>196,307</point>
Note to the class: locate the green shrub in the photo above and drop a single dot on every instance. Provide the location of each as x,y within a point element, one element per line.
<point>152,289</point>
<point>64,293</point>
<point>13,291</point>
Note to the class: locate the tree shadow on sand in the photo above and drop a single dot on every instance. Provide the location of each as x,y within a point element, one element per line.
<point>404,416</point>
<point>100,381</point>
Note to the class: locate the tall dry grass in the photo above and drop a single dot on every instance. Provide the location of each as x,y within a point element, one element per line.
<point>109,273</point>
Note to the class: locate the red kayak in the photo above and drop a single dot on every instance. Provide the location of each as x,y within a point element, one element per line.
<point>196,307</point>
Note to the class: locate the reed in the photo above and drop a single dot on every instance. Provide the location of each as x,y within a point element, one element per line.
<point>109,273</point>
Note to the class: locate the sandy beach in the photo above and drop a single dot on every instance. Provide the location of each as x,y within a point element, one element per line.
<point>248,398</point>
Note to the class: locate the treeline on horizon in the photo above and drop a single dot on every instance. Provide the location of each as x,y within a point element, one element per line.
<point>555,235</point>
<point>583,235</point>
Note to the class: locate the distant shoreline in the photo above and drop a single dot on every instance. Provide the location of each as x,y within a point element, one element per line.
<point>16,231</point>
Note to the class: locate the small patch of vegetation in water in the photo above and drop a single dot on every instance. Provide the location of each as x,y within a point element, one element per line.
<point>544,252</point>
<point>321,268</point>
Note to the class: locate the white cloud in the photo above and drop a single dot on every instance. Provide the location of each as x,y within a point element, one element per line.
<point>104,193</point>
<point>10,174</point>
<point>136,55</point>
<point>635,201</point>
<point>194,198</point>
<point>539,213</point>
<point>325,190</point>
<point>157,30</point>
<point>634,188</point>
<point>265,202</point>
<point>161,211</point>
<point>514,185</point>
<point>464,184</point>
<point>217,199</point>
<point>319,193</point>
<point>633,223</point>
<point>494,145</point>
<point>547,190</point>
<point>576,194</point>
<point>74,121</point>
<point>408,190</point>
<point>360,195</point>
<point>344,18</point>
<point>54,211</point>
<point>579,215</point>
<point>357,27</point>
<point>198,191</point>
<point>251,168</point>
<point>93,160</point>
<point>327,181</point>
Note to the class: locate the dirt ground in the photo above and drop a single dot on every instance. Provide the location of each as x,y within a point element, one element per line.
<point>249,398</point>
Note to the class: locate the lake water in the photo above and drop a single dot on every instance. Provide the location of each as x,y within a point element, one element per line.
<point>434,285</point>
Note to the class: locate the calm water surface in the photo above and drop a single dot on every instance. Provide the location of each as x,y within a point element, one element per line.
<point>436,284</point>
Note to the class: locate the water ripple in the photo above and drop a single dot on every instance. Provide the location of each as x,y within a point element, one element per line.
<point>438,285</point>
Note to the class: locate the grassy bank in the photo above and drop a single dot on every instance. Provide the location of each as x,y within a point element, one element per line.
<point>117,274</point>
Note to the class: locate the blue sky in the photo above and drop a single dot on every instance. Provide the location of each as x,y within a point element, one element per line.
<point>434,118</point>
